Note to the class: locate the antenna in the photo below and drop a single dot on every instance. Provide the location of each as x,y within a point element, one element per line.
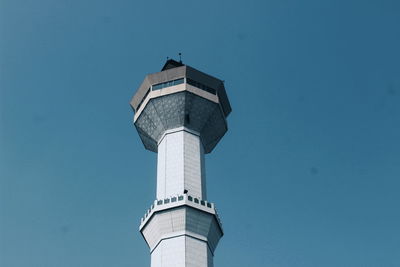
<point>180,57</point>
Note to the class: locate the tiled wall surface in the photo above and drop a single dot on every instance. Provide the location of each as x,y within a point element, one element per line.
<point>193,162</point>
<point>182,251</point>
<point>165,223</point>
<point>180,165</point>
<point>197,253</point>
<point>182,220</point>
<point>169,253</point>
<point>181,236</point>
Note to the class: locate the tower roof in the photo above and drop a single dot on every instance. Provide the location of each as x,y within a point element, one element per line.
<point>170,64</point>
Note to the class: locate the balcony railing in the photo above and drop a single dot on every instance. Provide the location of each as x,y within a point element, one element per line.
<point>183,199</point>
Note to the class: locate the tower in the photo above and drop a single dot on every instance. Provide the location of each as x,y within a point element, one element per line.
<point>180,113</point>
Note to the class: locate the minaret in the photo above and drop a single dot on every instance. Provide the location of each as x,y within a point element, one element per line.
<point>180,113</point>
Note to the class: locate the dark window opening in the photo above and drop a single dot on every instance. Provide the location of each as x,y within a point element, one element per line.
<point>141,102</point>
<point>201,86</point>
<point>167,84</point>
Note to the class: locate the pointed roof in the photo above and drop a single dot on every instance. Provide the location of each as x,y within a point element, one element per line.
<point>170,64</point>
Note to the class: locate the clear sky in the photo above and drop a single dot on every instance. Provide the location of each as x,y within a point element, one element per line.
<point>307,175</point>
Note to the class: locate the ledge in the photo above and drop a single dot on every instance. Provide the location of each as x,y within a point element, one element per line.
<point>178,201</point>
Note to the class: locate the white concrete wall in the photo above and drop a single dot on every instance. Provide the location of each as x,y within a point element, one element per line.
<point>194,171</point>
<point>164,224</point>
<point>180,165</point>
<point>182,220</point>
<point>197,253</point>
<point>170,166</point>
<point>182,251</point>
<point>169,253</point>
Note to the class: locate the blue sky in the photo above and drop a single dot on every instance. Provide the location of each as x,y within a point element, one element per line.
<point>307,175</point>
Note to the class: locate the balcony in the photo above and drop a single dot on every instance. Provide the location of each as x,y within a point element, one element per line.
<point>176,201</point>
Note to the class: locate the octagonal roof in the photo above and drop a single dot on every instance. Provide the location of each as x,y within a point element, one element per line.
<point>174,70</point>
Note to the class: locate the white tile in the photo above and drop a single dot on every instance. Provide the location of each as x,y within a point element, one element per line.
<point>180,165</point>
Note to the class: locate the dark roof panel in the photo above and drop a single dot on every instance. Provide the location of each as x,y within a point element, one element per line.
<point>170,64</point>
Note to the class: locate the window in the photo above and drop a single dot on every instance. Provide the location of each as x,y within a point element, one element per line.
<point>159,202</point>
<point>157,86</point>
<point>173,199</point>
<point>208,205</point>
<point>167,84</point>
<point>166,201</point>
<point>196,201</point>
<point>203,203</point>
<point>201,86</point>
<point>141,101</point>
<point>180,198</point>
<point>190,198</point>
<point>179,81</point>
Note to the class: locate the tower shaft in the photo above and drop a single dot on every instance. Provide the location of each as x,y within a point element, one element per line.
<point>180,164</point>
<point>182,251</point>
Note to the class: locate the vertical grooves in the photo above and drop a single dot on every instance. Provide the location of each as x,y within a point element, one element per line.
<point>184,162</point>
<point>165,165</point>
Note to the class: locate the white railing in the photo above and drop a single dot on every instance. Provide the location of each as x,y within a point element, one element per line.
<point>204,204</point>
